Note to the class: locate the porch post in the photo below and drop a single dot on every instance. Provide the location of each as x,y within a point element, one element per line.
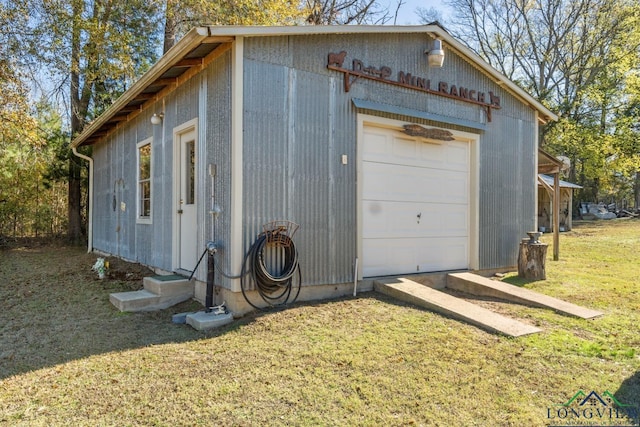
<point>556,216</point>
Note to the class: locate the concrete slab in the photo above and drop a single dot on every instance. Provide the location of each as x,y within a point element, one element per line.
<point>168,277</point>
<point>477,285</point>
<point>434,300</point>
<point>202,321</point>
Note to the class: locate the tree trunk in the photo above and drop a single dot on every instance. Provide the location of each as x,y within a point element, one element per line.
<point>74,230</point>
<point>169,27</point>
<point>531,260</point>
<point>74,205</point>
<point>636,191</point>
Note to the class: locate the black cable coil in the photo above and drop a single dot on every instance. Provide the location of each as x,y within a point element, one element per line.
<point>274,288</point>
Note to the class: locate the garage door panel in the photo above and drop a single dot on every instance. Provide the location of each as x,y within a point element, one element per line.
<point>402,256</point>
<point>387,148</point>
<point>457,156</point>
<point>385,144</point>
<point>415,204</point>
<point>457,188</point>
<point>404,183</point>
<point>378,145</point>
<point>411,220</point>
<point>446,253</point>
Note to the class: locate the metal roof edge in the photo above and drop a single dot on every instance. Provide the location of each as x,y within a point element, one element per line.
<point>564,184</point>
<point>265,31</point>
<point>192,39</point>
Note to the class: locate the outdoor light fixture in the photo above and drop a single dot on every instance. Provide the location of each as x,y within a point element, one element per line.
<point>156,119</point>
<point>436,54</point>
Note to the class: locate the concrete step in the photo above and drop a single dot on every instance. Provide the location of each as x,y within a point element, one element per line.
<point>481,286</point>
<point>168,285</point>
<point>158,293</point>
<point>440,302</point>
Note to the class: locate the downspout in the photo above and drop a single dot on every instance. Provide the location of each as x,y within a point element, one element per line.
<point>90,216</point>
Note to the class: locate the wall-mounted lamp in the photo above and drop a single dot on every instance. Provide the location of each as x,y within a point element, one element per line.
<point>156,119</point>
<point>435,56</point>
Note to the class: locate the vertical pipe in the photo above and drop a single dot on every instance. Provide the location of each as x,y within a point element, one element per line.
<point>90,213</point>
<point>355,277</point>
<point>237,166</point>
<point>210,273</point>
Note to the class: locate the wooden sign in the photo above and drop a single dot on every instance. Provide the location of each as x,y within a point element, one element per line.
<point>429,133</point>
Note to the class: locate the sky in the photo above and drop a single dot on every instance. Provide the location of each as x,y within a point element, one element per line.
<point>407,14</point>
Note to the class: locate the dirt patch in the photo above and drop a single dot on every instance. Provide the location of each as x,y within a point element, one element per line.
<point>122,276</point>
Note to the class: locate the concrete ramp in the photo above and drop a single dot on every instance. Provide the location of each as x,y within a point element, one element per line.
<point>440,302</point>
<point>481,286</point>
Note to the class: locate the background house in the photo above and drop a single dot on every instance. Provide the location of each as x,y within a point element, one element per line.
<point>545,207</point>
<point>384,162</point>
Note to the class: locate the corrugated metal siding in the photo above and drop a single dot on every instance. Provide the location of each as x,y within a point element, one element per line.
<point>507,190</point>
<point>218,146</point>
<point>114,189</point>
<point>159,233</point>
<point>295,135</point>
<point>116,231</point>
<point>322,126</point>
<point>266,147</point>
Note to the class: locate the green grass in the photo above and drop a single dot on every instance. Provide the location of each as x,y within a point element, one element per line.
<point>68,358</point>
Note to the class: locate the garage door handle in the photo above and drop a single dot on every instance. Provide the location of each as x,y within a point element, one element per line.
<point>419,216</point>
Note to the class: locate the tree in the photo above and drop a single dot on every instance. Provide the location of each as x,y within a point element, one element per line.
<point>429,15</point>
<point>29,203</point>
<point>342,12</point>
<point>180,16</point>
<point>17,137</point>
<point>88,52</point>
<point>553,48</point>
<point>572,55</point>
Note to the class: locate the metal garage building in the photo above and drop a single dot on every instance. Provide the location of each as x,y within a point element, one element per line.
<point>346,131</point>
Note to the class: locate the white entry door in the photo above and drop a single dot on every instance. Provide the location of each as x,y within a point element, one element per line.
<point>415,204</point>
<point>187,223</point>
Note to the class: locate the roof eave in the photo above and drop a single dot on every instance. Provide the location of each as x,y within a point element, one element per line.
<point>263,31</point>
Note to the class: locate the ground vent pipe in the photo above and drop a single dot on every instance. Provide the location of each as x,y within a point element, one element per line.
<point>355,277</point>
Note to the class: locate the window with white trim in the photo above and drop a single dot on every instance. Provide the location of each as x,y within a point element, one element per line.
<point>144,181</point>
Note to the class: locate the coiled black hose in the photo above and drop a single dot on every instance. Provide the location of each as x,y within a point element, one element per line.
<point>274,288</point>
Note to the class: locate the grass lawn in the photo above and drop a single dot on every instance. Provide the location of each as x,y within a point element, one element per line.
<point>67,357</point>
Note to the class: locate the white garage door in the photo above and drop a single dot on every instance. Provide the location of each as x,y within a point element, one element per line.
<point>415,207</point>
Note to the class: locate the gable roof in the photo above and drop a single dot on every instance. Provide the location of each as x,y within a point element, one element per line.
<point>202,45</point>
<point>563,184</point>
